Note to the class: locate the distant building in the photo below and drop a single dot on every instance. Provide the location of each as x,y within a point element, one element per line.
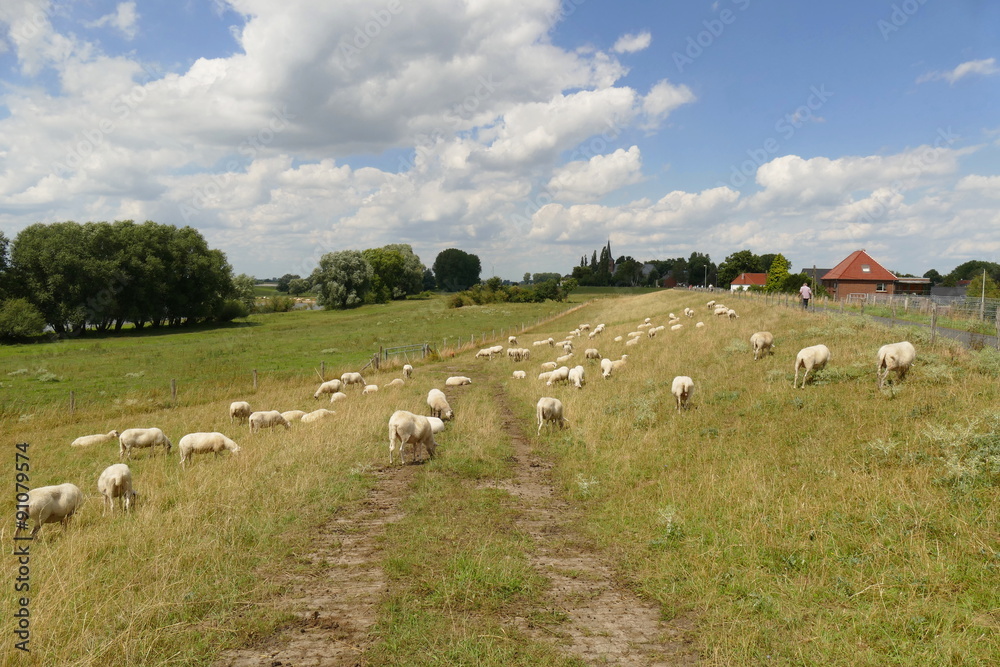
<point>860,274</point>
<point>745,280</point>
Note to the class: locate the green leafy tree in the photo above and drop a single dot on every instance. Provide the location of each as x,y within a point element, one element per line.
<point>777,274</point>
<point>284,281</point>
<point>569,285</point>
<point>19,319</point>
<point>244,291</point>
<point>429,281</point>
<point>969,270</point>
<point>342,279</point>
<point>411,280</point>
<point>388,267</point>
<point>743,261</point>
<point>526,280</point>
<point>934,277</point>
<point>298,286</point>
<point>456,269</point>
<point>975,288</point>
<point>542,277</point>
<point>701,269</point>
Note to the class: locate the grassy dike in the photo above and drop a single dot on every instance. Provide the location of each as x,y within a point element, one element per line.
<point>832,525</point>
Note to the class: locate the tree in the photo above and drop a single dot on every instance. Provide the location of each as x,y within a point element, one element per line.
<point>527,278</point>
<point>701,270</point>
<point>542,277</point>
<point>4,251</point>
<point>743,261</point>
<point>244,291</point>
<point>388,267</point>
<point>628,272</point>
<point>934,277</point>
<point>429,282</point>
<point>975,288</point>
<point>569,285</point>
<point>411,280</point>
<point>456,270</point>
<point>777,274</point>
<point>19,319</point>
<point>298,286</point>
<point>973,268</point>
<point>342,279</point>
<point>284,280</point>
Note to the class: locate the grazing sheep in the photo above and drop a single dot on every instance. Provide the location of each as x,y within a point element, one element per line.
<point>203,443</point>
<point>139,438</point>
<point>294,415</point>
<point>239,411</point>
<point>116,482</point>
<point>576,377</point>
<point>539,342</point>
<point>688,312</point>
<point>438,404</point>
<point>98,439</point>
<point>644,325</point>
<point>632,341</point>
<point>591,353</point>
<point>437,425</point>
<point>810,358</point>
<point>484,353</point>
<point>267,419</point>
<point>545,376</point>
<point>369,389</point>
<point>407,371</point>
<point>671,316</point>
<point>721,311</point>
<point>618,339</point>
<point>317,415</point>
<point>48,504</point>
<point>397,382</point>
<point>457,381</point>
<point>406,427</point>
<point>352,378</point>
<point>647,320</point>
<point>550,366</point>
<point>673,321</point>
<point>520,375</point>
<point>564,358</point>
<point>584,327</point>
<point>609,366</point>
<point>682,388</point>
<point>700,325</point>
<point>732,314</point>
<point>635,334</point>
<point>894,357</point>
<point>328,387</point>
<point>651,332</point>
<point>677,327</point>
<point>549,411</point>
<point>711,304</point>
<point>560,374</point>
<point>339,396</point>
<point>761,342</point>
<point>512,340</point>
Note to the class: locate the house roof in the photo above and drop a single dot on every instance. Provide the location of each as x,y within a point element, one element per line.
<point>859,266</point>
<point>750,279</point>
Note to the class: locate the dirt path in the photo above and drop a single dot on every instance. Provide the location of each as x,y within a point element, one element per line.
<point>587,612</point>
<point>335,608</point>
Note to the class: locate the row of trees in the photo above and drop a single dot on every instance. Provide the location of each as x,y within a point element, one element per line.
<point>102,275</point>
<point>603,270</point>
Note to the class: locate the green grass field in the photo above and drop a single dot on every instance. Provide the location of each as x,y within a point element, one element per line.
<point>836,524</point>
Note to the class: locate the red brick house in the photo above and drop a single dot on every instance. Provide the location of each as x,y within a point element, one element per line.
<point>745,280</point>
<point>859,274</point>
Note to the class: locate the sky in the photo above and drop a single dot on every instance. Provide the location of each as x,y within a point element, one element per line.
<point>528,132</point>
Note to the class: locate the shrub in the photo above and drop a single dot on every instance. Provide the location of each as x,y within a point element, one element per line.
<point>231,309</point>
<point>20,319</point>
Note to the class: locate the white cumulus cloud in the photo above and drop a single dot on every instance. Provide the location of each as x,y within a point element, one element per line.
<point>632,43</point>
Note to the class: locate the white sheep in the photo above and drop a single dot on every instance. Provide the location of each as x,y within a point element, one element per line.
<point>564,358</point>
<point>761,342</point>
<point>584,327</point>
<point>671,316</point>
<point>609,366</point>
<point>677,327</point>
<point>408,428</point>
<point>682,388</point>
<point>520,375</point>
<point>539,342</point>
<point>437,425</point>
<point>512,340</point>
<point>688,312</point>
<point>457,381</point>
<point>369,389</point>
<point>576,377</point>
<point>98,439</point>
<point>652,331</point>
<point>894,357</point>
<point>328,387</point>
<point>239,411</point>
<point>317,415</point>
<point>711,304</point>
<point>700,325</point>
<point>560,374</point>
<point>484,354</point>
<point>550,366</point>
<point>352,378</point>
<point>810,358</point>
<point>591,353</point>
<point>203,443</point>
<point>544,377</point>
<point>673,321</point>
<point>49,504</point>
<point>731,314</point>
<point>438,403</point>
<point>618,339</point>
<point>293,415</point>
<point>550,411</point>
<point>407,371</point>
<point>267,419</point>
<point>116,482</point>
<point>647,320</point>
<point>339,396</point>
<point>397,382</point>
<point>139,438</point>
<point>632,341</point>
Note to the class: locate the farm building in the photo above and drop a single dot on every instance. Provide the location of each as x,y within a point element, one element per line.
<point>859,274</point>
<point>745,280</point>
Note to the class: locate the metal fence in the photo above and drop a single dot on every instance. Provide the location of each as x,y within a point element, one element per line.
<point>958,307</point>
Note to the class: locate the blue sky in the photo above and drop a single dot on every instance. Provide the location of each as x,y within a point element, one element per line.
<point>526,131</point>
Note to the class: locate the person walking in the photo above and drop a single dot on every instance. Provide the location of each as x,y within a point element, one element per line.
<point>806,294</point>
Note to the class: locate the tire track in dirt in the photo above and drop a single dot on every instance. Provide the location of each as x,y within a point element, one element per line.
<point>587,612</point>
<point>335,603</point>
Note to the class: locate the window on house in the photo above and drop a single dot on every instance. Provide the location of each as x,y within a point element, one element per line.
<point>866,268</point>
<point>879,287</point>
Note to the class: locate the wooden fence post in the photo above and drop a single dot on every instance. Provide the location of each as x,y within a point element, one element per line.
<point>933,323</point>
<point>173,390</point>
<point>255,378</point>
<point>322,372</point>
<point>72,403</point>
